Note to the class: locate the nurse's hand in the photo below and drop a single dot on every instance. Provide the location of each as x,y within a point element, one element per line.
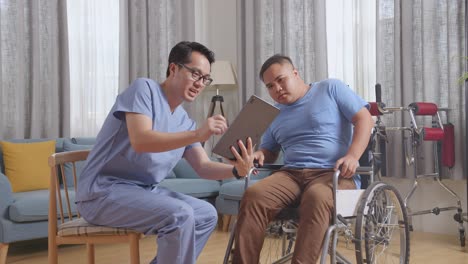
<point>245,159</point>
<point>215,125</point>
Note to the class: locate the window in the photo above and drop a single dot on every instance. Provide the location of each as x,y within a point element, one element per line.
<point>351,42</point>
<point>93,32</point>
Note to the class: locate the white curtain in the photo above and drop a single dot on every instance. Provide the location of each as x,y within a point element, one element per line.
<point>112,42</point>
<point>34,82</point>
<point>351,41</point>
<point>94,64</point>
<point>419,59</point>
<point>294,28</point>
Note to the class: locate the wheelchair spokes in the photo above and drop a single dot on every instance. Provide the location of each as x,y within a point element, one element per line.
<point>279,242</point>
<point>382,230</point>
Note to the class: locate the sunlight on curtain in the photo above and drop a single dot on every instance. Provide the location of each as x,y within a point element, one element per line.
<point>93,31</point>
<point>351,41</point>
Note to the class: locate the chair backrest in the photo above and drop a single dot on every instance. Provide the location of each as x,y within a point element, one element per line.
<point>62,197</point>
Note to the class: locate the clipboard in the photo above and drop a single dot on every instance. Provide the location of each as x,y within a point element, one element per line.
<point>252,121</point>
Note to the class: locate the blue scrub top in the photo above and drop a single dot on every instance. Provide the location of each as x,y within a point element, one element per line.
<point>112,159</point>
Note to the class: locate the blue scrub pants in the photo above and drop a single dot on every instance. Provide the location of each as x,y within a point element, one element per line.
<point>182,223</point>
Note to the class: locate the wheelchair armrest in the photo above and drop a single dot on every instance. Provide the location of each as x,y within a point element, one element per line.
<point>265,167</point>
<point>269,166</point>
<point>336,175</point>
<point>366,170</point>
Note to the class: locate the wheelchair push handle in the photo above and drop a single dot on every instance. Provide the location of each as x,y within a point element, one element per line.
<point>378,93</point>
<point>377,108</point>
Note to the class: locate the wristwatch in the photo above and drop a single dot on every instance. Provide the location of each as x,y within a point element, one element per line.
<point>235,173</point>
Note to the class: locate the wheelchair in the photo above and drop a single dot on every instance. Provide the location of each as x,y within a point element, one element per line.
<point>374,220</point>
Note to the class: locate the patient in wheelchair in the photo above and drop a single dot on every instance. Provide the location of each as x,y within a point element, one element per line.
<point>321,127</point>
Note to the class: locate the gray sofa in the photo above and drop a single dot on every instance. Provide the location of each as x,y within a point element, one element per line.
<point>231,192</point>
<point>23,215</point>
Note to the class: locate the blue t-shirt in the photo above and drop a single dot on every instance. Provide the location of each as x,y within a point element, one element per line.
<point>113,160</point>
<point>316,130</point>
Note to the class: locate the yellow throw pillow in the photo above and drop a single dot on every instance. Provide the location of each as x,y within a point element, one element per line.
<point>26,164</point>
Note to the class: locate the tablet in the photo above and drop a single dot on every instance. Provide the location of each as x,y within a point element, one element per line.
<point>252,121</point>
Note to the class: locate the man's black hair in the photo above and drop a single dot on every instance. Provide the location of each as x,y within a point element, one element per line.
<point>277,58</point>
<point>182,52</point>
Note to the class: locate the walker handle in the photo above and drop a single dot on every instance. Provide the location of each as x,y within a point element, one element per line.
<point>432,133</point>
<point>422,108</point>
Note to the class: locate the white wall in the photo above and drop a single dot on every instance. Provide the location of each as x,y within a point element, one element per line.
<point>216,22</point>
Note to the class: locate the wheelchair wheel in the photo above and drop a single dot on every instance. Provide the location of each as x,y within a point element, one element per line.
<point>279,242</point>
<point>382,229</point>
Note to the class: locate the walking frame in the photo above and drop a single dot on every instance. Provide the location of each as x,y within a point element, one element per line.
<point>441,136</point>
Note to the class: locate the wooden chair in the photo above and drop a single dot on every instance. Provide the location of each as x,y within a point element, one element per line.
<point>72,229</point>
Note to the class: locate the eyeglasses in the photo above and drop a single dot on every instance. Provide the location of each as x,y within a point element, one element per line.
<point>196,76</point>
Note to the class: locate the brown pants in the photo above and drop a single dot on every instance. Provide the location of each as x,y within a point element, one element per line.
<point>312,188</point>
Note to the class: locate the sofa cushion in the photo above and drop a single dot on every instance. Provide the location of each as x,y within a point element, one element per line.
<point>68,145</point>
<point>84,140</point>
<point>34,205</point>
<point>184,170</point>
<point>199,188</point>
<point>230,195</point>
<point>58,141</point>
<point>227,207</point>
<point>234,190</point>
<point>58,147</point>
<point>26,164</point>
<point>171,175</point>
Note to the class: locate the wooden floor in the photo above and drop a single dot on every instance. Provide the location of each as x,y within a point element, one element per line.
<point>425,248</point>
